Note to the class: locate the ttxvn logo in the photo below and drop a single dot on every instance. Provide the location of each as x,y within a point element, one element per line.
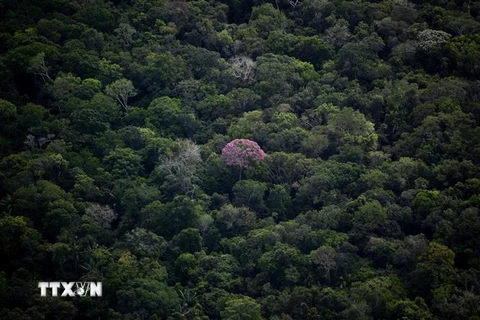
<point>71,289</point>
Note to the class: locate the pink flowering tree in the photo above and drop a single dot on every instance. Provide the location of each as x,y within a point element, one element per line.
<point>242,153</point>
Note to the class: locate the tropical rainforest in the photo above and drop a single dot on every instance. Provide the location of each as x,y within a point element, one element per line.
<point>241,159</point>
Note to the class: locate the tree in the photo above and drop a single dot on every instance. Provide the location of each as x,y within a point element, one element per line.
<point>281,265</point>
<point>241,308</point>
<point>429,39</point>
<point>169,219</point>
<point>266,18</point>
<point>242,153</point>
<point>60,216</point>
<point>143,243</point>
<point>141,288</point>
<point>181,167</point>
<point>186,267</point>
<point>125,34</point>
<point>279,203</point>
<point>168,117</point>
<point>338,34</point>
<point>187,240</point>
<point>39,68</point>
<point>324,257</point>
<point>88,121</point>
<point>8,118</point>
<point>96,16</point>
<point>123,162</point>
<point>250,193</point>
<point>287,167</point>
<point>235,220</point>
<point>436,265</point>
<point>121,90</point>
<point>370,218</point>
<point>34,200</point>
<point>358,61</point>
<point>243,68</point>
<point>243,98</point>
<point>351,128</point>
<point>278,76</point>
<point>250,126</point>
<point>407,309</point>
<point>103,215</point>
<point>16,240</point>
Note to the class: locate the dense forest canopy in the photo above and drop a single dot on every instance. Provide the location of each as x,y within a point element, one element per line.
<point>285,159</point>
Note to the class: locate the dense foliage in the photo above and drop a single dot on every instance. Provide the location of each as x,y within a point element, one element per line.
<point>114,115</point>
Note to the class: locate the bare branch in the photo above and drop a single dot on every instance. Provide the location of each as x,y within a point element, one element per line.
<point>243,68</point>
<point>39,68</point>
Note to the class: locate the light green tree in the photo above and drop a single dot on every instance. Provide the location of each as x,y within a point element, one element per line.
<point>121,90</point>
<point>242,308</point>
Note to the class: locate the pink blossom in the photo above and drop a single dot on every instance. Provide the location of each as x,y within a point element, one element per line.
<point>242,153</point>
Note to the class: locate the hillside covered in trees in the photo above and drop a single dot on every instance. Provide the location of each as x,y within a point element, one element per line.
<point>229,159</point>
